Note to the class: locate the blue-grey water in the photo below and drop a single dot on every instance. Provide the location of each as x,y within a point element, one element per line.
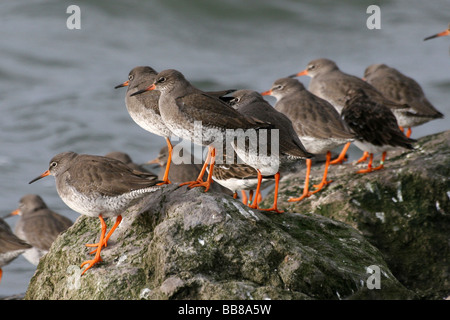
<point>57,84</point>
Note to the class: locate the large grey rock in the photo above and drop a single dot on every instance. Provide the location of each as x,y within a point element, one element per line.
<point>403,210</point>
<point>187,244</point>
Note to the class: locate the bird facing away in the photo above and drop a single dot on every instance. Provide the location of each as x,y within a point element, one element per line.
<point>316,122</point>
<point>375,126</point>
<point>38,225</point>
<point>98,186</point>
<point>402,89</point>
<point>11,246</point>
<point>195,115</point>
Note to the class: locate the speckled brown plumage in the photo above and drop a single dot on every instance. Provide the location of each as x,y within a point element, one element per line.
<point>373,122</point>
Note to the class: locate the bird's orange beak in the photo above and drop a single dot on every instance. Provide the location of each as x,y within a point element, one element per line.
<point>266,93</point>
<point>440,34</point>
<point>154,161</point>
<point>46,173</point>
<point>302,73</point>
<point>125,84</point>
<point>15,212</point>
<point>152,87</point>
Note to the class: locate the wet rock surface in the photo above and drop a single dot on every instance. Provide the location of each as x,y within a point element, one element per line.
<point>187,244</point>
<point>403,210</point>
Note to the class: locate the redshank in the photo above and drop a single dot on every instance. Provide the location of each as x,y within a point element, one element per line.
<point>440,34</point>
<point>330,83</point>
<point>375,125</point>
<point>400,88</point>
<point>98,186</point>
<point>38,225</point>
<point>234,175</point>
<point>268,163</point>
<point>240,177</point>
<point>144,109</point>
<point>316,122</point>
<point>197,116</point>
<point>10,246</point>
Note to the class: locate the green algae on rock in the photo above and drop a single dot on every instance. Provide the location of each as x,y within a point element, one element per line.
<point>187,244</point>
<point>403,210</point>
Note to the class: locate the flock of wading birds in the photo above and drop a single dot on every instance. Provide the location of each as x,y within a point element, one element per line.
<point>336,110</point>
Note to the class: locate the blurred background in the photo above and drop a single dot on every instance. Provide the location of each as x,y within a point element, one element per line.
<point>57,85</point>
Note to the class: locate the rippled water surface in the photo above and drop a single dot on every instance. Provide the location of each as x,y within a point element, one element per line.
<point>57,85</point>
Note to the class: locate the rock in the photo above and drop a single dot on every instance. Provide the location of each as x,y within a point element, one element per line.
<point>187,244</point>
<point>387,228</point>
<point>403,210</point>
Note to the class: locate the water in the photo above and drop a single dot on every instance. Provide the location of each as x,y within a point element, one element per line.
<point>57,85</point>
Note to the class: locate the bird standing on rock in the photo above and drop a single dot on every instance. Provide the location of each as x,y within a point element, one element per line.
<point>198,116</point>
<point>289,147</point>
<point>318,125</point>
<point>402,89</point>
<point>98,186</point>
<point>144,108</point>
<point>375,125</point>
<point>330,83</point>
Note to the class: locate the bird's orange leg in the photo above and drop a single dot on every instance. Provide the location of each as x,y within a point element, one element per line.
<point>1,273</point>
<point>408,132</point>
<point>259,198</point>
<point>250,196</point>
<point>381,166</point>
<point>209,180</point>
<point>324,178</point>
<point>275,197</point>
<point>306,192</point>
<point>254,204</point>
<point>105,242</point>
<point>244,197</point>
<point>369,165</point>
<point>165,179</point>
<point>97,257</point>
<point>341,158</point>
<point>364,157</point>
<point>202,172</point>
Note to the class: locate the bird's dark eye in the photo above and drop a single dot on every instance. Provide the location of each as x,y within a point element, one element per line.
<point>53,164</point>
<point>161,80</point>
<point>311,67</point>
<point>130,77</point>
<point>234,101</point>
<point>279,87</point>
